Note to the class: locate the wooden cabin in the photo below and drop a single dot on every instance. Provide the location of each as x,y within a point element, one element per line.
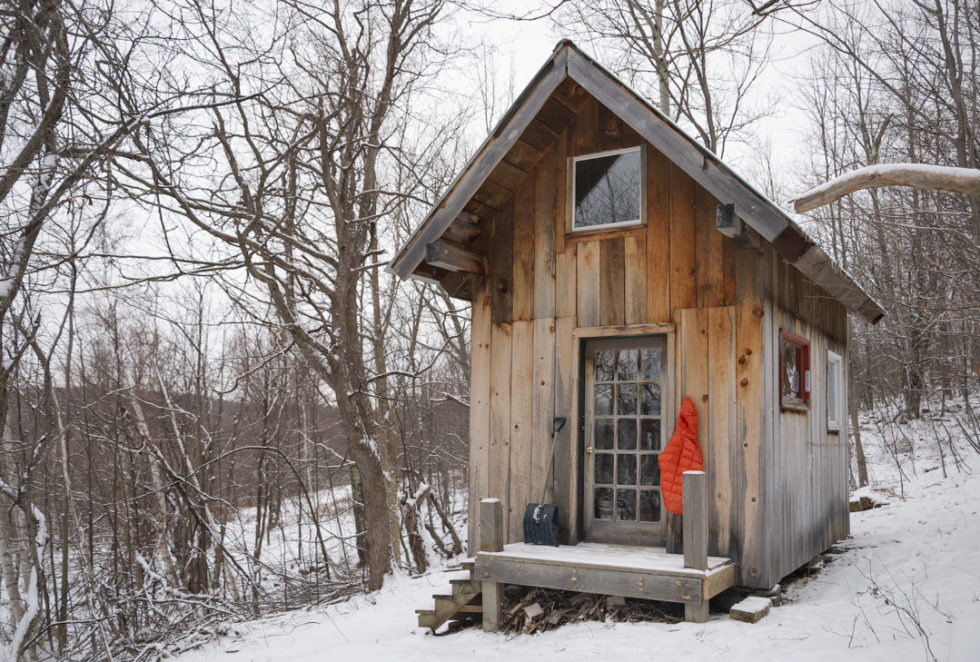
<point>614,267</point>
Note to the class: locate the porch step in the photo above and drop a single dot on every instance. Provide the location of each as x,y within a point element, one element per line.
<point>465,598</point>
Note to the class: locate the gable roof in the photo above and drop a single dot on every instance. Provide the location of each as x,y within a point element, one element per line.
<point>754,208</point>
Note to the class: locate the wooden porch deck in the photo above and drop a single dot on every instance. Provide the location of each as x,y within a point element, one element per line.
<point>691,578</point>
<point>628,571</point>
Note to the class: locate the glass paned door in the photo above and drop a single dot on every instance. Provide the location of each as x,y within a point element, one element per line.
<point>626,394</point>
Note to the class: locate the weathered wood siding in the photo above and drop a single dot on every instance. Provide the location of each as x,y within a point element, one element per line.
<point>545,285</point>
<point>807,483</point>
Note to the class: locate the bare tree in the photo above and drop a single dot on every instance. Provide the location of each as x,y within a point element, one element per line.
<point>697,59</point>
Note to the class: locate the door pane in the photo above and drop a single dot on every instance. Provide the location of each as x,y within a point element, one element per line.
<point>626,505</point>
<point>604,468</point>
<point>650,364</point>
<point>603,434</point>
<point>603,503</point>
<point>650,400</point>
<point>626,469</point>
<point>649,470</point>
<point>627,434</point>
<point>604,366</point>
<point>626,365</point>
<point>603,399</point>
<point>649,434</point>
<point>626,399</point>
<point>649,506</point>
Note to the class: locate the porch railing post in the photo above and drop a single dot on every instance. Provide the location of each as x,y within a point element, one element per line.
<point>695,521</point>
<point>491,540</point>
<point>695,536</point>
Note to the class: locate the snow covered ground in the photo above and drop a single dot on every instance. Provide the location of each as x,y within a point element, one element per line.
<point>907,587</point>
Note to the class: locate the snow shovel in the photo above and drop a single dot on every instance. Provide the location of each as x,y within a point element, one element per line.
<point>541,519</point>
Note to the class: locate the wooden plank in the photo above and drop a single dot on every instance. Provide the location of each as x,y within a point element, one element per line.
<point>562,188</point>
<point>585,139</point>
<point>695,520</point>
<point>595,580</point>
<point>566,282</point>
<point>610,129</point>
<point>544,237</point>
<point>523,155</point>
<point>491,540</point>
<point>609,556</point>
<point>728,267</point>
<point>493,602</point>
<point>555,115</point>
<point>716,582</point>
<point>479,456</point>
<point>490,153</point>
<point>636,279</point>
<point>502,265</point>
<point>491,525</point>
<point>612,286</point>
<point>564,406</point>
<point>696,613</point>
<point>454,257</point>
<point>630,137</point>
<point>708,251</point>
<point>539,135</point>
<point>521,394</point>
<point>492,195</point>
<point>625,330</point>
<point>719,446</point>
<point>692,381</point>
<point>507,175</point>
<point>524,258</point>
<point>752,427</point>
<point>498,474</point>
<point>587,283</point>
<point>576,443</point>
<point>658,237</point>
<point>613,233</point>
<point>683,267</point>
<point>543,411</point>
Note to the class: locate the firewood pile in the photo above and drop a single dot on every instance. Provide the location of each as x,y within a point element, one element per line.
<point>539,610</point>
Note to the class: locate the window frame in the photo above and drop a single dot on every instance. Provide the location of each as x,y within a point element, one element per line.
<point>607,226</point>
<point>801,401</point>
<point>835,366</point>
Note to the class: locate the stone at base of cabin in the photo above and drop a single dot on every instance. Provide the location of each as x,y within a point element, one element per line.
<point>774,594</point>
<point>615,601</point>
<point>751,610</point>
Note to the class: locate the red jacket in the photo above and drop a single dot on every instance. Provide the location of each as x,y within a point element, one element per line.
<point>682,454</point>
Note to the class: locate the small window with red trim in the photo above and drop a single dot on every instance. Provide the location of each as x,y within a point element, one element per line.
<point>794,371</point>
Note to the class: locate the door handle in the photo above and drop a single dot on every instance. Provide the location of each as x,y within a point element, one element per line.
<point>588,449</point>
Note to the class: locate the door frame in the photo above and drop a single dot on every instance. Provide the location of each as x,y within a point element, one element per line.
<point>581,335</point>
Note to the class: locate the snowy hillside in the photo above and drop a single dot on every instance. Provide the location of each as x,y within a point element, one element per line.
<point>905,587</point>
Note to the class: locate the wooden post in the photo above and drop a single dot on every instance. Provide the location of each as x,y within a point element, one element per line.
<point>491,540</point>
<point>695,536</point>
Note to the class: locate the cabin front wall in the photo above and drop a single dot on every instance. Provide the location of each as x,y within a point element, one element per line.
<point>548,289</point>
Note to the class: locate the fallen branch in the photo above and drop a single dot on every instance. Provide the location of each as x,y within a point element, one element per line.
<point>917,175</point>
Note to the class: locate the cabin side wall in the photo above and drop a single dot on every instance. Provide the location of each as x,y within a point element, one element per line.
<point>545,286</point>
<point>807,475</point>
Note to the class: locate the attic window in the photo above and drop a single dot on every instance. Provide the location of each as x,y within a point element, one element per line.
<point>794,372</point>
<point>607,189</point>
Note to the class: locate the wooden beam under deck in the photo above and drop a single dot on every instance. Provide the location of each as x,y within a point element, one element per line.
<point>633,572</point>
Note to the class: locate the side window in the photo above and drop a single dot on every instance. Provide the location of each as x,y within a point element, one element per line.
<point>607,189</point>
<point>794,371</point>
<point>835,391</point>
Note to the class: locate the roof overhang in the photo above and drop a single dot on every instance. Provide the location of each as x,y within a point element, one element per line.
<point>754,208</point>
